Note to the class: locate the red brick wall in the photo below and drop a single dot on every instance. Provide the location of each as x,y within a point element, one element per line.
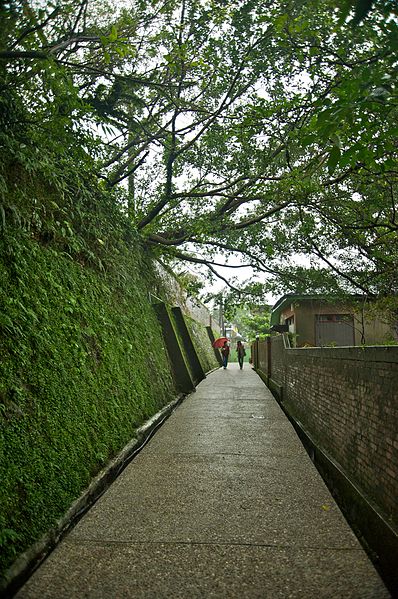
<point>347,400</point>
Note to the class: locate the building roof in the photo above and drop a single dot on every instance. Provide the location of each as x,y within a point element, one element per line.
<point>287,299</point>
<point>284,301</point>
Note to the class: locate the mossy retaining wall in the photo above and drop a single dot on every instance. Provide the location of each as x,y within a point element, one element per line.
<point>200,338</point>
<point>83,363</point>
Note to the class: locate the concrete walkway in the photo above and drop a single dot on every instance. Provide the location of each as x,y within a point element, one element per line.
<point>223,502</point>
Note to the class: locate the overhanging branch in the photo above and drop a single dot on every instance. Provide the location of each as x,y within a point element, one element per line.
<point>251,221</point>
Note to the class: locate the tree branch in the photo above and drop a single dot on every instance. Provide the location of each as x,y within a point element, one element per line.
<point>35,28</point>
<point>114,181</point>
<point>251,221</point>
<point>23,54</point>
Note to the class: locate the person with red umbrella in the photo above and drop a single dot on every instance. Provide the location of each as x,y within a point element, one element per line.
<point>222,343</point>
<point>225,354</point>
<point>219,342</point>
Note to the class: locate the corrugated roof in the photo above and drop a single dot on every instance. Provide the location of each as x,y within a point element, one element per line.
<point>283,302</point>
<point>287,299</point>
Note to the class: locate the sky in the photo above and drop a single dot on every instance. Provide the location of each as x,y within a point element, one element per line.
<point>242,275</point>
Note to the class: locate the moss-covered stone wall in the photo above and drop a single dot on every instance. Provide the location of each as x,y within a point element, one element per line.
<point>202,344</point>
<point>82,365</point>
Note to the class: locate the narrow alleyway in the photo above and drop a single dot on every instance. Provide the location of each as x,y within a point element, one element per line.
<point>223,502</point>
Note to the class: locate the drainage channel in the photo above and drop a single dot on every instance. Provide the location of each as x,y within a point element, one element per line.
<point>376,535</point>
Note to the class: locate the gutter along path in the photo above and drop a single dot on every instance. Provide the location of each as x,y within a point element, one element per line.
<point>223,502</point>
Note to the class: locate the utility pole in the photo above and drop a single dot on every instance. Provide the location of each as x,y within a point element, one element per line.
<point>221,316</point>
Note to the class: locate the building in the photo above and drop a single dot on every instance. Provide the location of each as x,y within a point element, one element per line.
<point>231,332</point>
<point>315,320</point>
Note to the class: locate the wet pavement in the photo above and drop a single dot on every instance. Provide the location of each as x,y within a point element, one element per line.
<point>223,502</point>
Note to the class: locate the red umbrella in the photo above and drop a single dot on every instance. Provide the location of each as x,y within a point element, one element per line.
<point>219,342</point>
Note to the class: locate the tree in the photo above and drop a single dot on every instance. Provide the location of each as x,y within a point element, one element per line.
<point>252,320</point>
<point>258,131</point>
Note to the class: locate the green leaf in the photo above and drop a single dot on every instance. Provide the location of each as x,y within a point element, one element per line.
<point>347,157</point>
<point>333,159</point>
<point>5,321</point>
<point>336,141</point>
<point>113,34</point>
<point>308,140</point>
<point>3,216</point>
<point>280,22</point>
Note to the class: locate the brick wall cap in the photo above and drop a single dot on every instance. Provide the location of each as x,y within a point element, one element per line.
<point>369,353</point>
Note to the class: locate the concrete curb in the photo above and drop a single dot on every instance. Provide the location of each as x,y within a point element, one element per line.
<point>213,370</point>
<point>30,560</point>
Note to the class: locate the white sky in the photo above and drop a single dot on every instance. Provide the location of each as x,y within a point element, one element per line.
<point>241,276</point>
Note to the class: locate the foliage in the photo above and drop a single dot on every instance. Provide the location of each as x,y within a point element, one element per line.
<point>295,154</point>
<point>81,367</point>
<point>251,320</point>
<point>248,312</point>
<point>257,325</point>
<point>192,284</point>
<point>254,131</point>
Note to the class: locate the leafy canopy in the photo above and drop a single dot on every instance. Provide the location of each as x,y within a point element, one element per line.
<point>259,130</point>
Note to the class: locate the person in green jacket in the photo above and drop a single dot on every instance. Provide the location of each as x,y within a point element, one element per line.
<point>240,350</point>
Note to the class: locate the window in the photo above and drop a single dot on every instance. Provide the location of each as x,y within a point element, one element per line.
<point>290,323</point>
<point>345,318</point>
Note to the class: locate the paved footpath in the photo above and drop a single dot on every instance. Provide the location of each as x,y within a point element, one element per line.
<point>223,502</point>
